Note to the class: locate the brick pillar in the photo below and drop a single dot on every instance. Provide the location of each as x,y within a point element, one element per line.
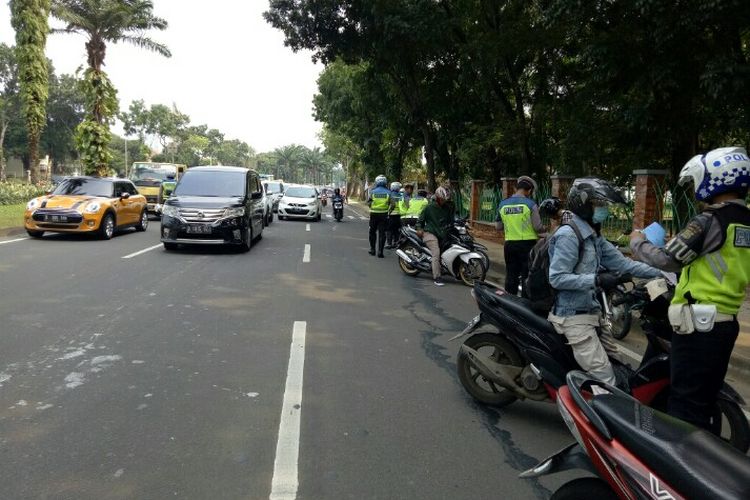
<point>561,185</point>
<point>477,187</point>
<point>649,184</point>
<point>509,186</point>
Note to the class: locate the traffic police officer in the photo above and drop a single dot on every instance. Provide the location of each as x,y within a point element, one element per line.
<point>519,217</point>
<point>713,255</point>
<point>380,203</point>
<point>414,208</point>
<point>394,216</point>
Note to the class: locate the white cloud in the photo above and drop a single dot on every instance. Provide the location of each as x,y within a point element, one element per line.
<point>229,69</point>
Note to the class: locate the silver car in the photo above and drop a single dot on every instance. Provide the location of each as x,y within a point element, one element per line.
<point>301,202</point>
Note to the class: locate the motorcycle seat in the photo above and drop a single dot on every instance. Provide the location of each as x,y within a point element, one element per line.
<point>692,460</point>
<point>521,308</point>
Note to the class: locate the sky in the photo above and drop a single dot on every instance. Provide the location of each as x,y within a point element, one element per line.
<point>229,69</point>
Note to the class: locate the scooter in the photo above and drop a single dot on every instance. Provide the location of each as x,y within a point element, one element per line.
<point>459,235</point>
<point>338,210</point>
<point>456,260</point>
<point>525,358</point>
<point>637,452</point>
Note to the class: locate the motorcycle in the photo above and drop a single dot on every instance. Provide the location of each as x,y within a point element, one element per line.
<point>338,210</point>
<point>525,358</point>
<point>637,452</point>
<point>414,257</point>
<point>459,234</point>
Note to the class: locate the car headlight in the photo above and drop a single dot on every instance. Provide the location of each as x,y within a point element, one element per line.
<point>33,204</point>
<point>234,212</point>
<point>92,207</point>
<point>169,211</point>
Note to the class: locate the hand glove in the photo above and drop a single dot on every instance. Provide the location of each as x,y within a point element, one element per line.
<point>607,280</point>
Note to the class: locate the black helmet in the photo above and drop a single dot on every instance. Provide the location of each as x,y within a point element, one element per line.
<point>588,191</point>
<point>337,191</point>
<point>550,206</point>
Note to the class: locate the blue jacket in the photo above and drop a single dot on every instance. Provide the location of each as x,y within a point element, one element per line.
<point>574,281</point>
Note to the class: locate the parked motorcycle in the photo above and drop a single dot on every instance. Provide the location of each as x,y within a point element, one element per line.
<point>456,260</point>
<point>459,234</point>
<point>637,452</point>
<point>525,358</point>
<point>338,210</point>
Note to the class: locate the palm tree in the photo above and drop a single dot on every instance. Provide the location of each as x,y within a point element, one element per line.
<point>103,22</point>
<point>288,159</point>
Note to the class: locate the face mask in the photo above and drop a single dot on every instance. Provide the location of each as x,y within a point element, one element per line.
<point>600,214</point>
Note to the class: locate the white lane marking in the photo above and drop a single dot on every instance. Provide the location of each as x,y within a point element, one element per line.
<point>306,255</point>
<point>363,218</point>
<point>307,227</point>
<point>139,252</point>
<point>349,216</point>
<point>356,212</point>
<point>13,241</point>
<point>285,480</point>
<point>329,216</point>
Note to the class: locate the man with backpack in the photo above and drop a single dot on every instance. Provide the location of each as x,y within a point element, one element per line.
<point>581,261</point>
<point>518,216</point>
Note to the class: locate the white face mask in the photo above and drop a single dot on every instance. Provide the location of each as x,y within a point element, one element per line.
<point>600,214</point>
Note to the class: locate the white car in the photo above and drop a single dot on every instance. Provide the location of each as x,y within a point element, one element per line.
<point>275,190</point>
<point>300,202</point>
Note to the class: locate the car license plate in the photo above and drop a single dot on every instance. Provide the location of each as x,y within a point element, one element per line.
<point>58,218</point>
<point>199,229</point>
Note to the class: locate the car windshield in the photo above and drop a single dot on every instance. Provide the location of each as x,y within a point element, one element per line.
<point>300,192</point>
<point>211,183</point>
<point>273,187</point>
<point>85,186</point>
<point>151,172</point>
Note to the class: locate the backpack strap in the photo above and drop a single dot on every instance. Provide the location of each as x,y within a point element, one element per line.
<point>580,239</point>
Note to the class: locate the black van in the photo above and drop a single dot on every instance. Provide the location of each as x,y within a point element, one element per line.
<point>214,206</point>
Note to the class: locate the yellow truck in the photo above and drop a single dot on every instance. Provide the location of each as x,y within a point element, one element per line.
<point>149,177</point>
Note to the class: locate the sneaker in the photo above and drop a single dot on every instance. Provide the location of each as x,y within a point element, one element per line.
<point>381,256</point>
<point>439,282</point>
<point>371,252</point>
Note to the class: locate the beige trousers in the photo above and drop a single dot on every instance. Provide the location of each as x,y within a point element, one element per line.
<point>434,245</point>
<point>580,330</point>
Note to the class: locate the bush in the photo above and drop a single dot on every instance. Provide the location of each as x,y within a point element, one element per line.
<point>14,192</point>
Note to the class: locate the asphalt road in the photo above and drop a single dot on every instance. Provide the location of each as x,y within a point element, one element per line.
<point>164,375</point>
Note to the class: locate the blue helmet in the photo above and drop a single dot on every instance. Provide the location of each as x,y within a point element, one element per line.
<point>381,181</point>
<point>716,172</point>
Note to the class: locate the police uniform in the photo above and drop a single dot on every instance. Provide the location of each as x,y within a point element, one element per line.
<point>411,209</point>
<point>380,202</point>
<point>713,254</point>
<point>394,218</point>
<point>518,217</point>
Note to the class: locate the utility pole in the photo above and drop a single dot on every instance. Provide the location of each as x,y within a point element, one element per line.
<point>126,157</point>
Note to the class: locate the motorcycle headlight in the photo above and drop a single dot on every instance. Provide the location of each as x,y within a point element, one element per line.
<point>169,211</point>
<point>33,204</point>
<point>92,207</point>
<point>234,212</point>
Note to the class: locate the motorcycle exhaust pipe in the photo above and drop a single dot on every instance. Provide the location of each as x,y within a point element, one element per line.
<point>405,257</point>
<point>503,375</point>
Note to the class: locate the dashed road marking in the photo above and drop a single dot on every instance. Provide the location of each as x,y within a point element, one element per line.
<point>349,216</point>
<point>307,227</point>
<point>285,476</point>
<point>306,255</point>
<point>362,218</point>
<point>139,252</point>
<point>329,216</point>
<point>13,241</point>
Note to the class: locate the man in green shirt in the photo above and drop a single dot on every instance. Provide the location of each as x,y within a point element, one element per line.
<point>432,227</point>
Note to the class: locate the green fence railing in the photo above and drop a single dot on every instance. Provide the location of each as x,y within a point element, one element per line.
<point>489,200</point>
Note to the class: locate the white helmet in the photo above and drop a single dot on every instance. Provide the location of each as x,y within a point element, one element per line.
<point>442,193</point>
<point>395,186</point>
<point>718,171</point>
<point>381,180</point>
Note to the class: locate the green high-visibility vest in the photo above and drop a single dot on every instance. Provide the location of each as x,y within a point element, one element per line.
<point>720,277</point>
<point>380,202</point>
<point>416,206</point>
<point>515,212</point>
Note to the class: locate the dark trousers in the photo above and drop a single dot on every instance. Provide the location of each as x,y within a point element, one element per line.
<point>394,228</point>
<point>516,263</point>
<point>378,223</point>
<point>699,363</point>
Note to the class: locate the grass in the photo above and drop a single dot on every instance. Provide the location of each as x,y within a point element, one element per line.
<point>11,215</point>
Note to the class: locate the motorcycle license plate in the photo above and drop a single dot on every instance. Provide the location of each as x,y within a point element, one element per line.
<point>473,325</point>
<point>199,229</point>
<point>338,205</point>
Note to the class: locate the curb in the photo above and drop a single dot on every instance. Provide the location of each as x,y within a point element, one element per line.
<point>11,231</point>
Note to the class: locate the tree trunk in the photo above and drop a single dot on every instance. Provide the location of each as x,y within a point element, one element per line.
<point>429,156</point>
<point>3,129</point>
<point>34,157</point>
<point>96,50</point>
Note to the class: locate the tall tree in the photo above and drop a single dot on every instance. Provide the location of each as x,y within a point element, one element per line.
<point>8,97</point>
<point>102,22</point>
<point>29,19</point>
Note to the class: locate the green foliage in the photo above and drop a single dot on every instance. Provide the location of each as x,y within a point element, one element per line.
<point>11,215</point>
<point>92,134</point>
<point>13,192</point>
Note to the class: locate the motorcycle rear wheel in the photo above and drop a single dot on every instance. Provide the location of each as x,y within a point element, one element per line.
<point>487,392</point>
<point>405,267</point>
<point>584,488</point>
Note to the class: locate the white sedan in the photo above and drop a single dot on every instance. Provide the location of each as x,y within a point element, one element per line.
<point>300,202</point>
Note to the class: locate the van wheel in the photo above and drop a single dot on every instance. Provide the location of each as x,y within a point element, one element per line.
<point>247,241</point>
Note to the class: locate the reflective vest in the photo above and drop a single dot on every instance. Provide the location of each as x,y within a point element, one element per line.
<point>398,198</point>
<point>721,277</point>
<point>381,198</point>
<point>515,212</point>
<point>416,206</point>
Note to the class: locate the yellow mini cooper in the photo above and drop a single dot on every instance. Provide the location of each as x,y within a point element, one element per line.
<point>86,205</point>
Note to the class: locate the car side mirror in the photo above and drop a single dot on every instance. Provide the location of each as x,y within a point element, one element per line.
<point>124,196</point>
<point>257,195</point>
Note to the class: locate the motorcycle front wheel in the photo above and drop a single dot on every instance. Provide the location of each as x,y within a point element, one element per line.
<point>471,271</point>
<point>733,428</point>
<point>405,267</point>
<point>483,390</point>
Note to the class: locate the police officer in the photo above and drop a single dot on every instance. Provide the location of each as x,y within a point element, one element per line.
<point>518,217</point>
<point>713,253</point>
<point>414,208</point>
<point>394,216</point>
<point>380,203</point>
